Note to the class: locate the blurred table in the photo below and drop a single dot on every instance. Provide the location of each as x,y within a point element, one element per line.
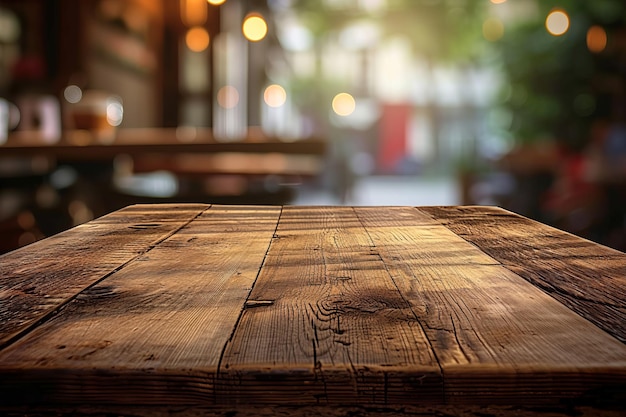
<point>192,308</point>
<point>151,165</point>
<point>189,150</point>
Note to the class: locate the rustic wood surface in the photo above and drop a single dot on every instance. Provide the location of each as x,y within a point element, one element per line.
<point>209,310</point>
<point>38,280</point>
<point>588,278</point>
<point>441,410</point>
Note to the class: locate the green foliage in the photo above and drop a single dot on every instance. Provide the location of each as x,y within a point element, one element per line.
<point>436,29</point>
<point>552,88</point>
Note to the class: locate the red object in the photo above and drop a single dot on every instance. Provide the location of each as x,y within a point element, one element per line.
<point>393,136</point>
<point>29,68</point>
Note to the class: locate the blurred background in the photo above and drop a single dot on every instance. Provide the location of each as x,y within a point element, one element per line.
<point>518,103</point>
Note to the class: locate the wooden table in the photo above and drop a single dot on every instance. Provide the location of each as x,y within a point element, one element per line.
<point>158,142</point>
<point>201,310</point>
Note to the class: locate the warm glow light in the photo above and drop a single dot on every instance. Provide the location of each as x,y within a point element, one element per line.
<point>254,27</point>
<point>596,39</point>
<point>343,104</point>
<point>493,29</point>
<point>197,39</point>
<point>275,95</point>
<point>228,97</point>
<point>216,2</point>
<point>193,12</point>
<point>26,220</point>
<point>557,22</point>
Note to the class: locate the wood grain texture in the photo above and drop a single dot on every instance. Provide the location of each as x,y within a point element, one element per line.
<point>497,337</point>
<point>192,308</point>
<point>152,332</point>
<point>438,410</point>
<point>337,330</point>
<point>35,281</point>
<point>588,278</point>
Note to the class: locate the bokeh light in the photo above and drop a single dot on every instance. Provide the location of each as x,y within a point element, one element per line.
<point>216,2</point>
<point>498,1</point>
<point>73,94</point>
<point>26,220</point>
<point>197,39</point>
<point>557,22</point>
<point>228,97</point>
<point>493,29</point>
<point>343,104</point>
<point>115,113</point>
<point>596,39</point>
<point>254,27</point>
<point>10,29</point>
<point>275,95</point>
<point>193,12</point>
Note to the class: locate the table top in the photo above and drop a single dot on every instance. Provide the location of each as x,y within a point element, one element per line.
<point>194,153</point>
<point>157,141</point>
<point>196,305</point>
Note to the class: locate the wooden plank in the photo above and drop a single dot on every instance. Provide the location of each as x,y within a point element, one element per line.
<point>328,324</point>
<point>435,410</point>
<point>37,280</point>
<point>159,141</point>
<point>152,332</point>
<point>588,278</point>
<point>497,337</point>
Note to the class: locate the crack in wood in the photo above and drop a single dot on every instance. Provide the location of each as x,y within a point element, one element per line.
<point>257,303</point>
<point>143,226</point>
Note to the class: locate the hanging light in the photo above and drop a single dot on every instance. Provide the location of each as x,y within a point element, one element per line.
<point>274,95</point>
<point>557,22</point>
<point>254,27</point>
<point>197,39</point>
<point>343,104</point>
<point>596,39</point>
<point>193,12</point>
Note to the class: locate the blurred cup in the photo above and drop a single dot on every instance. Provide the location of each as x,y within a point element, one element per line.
<point>98,112</point>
